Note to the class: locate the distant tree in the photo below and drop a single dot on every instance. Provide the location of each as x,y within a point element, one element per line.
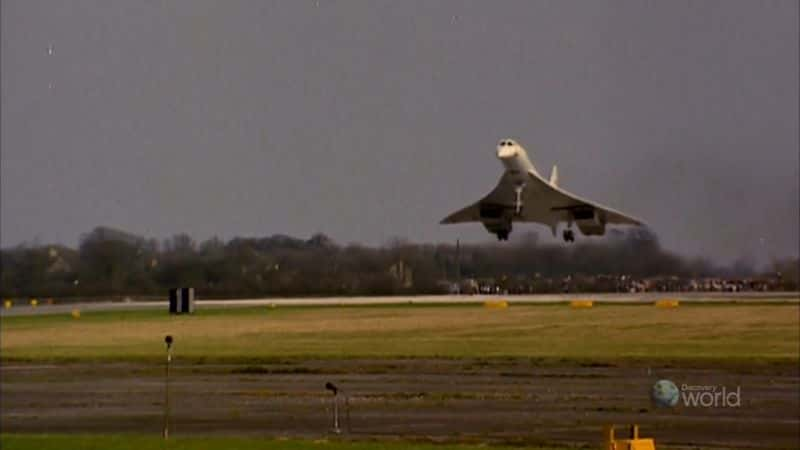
<point>114,262</point>
<point>788,273</point>
<point>107,265</point>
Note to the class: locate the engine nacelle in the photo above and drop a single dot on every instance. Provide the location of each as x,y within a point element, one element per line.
<point>501,228</point>
<point>492,211</point>
<point>589,221</point>
<point>497,219</point>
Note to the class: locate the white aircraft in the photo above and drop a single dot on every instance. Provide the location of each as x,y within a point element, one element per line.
<point>522,195</point>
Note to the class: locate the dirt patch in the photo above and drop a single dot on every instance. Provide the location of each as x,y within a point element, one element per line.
<point>508,401</point>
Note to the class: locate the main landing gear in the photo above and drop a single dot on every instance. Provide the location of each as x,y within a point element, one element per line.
<point>502,235</point>
<point>569,236</point>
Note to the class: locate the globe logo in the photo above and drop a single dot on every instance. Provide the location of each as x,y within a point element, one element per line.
<point>665,393</point>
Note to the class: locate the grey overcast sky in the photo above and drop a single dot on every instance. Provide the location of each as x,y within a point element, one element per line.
<point>368,120</point>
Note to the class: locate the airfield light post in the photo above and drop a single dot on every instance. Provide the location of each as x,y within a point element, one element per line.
<point>347,411</point>
<point>168,341</point>
<point>331,387</point>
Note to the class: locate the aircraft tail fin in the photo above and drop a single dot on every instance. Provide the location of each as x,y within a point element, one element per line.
<point>554,176</point>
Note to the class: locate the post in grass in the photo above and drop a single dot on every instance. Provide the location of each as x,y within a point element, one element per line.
<point>168,342</point>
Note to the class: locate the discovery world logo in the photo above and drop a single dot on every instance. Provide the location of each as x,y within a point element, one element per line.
<point>666,394</point>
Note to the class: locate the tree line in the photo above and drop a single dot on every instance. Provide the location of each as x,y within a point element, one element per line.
<point>111,262</point>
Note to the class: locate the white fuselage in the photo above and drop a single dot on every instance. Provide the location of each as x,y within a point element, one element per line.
<point>515,160</point>
<point>523,195</point>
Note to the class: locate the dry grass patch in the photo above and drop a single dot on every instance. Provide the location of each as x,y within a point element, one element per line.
<point>605,332</point>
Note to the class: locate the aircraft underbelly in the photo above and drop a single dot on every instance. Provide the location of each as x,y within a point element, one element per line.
<point>523,195</point>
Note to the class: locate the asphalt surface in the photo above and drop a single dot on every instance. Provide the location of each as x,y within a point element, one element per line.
<point>470,400</point>
<point>64,307</point>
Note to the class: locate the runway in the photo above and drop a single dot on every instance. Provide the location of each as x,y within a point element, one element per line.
<point>65,306</point>
<point>497,401</point>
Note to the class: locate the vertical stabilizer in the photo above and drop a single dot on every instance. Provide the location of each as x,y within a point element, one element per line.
<point>554,176</point>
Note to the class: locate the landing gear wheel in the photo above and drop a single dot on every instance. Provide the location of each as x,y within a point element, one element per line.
<point>569,236</point>
<point>502,235</point>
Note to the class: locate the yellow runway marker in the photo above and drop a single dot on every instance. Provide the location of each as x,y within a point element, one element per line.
<point>495,304</point>
<point>632,442</point>
<point>667,303</point>
<point>76,313</point>
<point>7,304</point>
<point>34,302</point>
<point>581,303</point>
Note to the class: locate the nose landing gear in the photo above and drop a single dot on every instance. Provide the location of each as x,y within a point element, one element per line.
<point>569,236</point>
<point>518,199</point>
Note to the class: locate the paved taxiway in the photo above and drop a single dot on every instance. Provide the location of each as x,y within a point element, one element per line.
<point>637,298</point>
<point>503,401</point>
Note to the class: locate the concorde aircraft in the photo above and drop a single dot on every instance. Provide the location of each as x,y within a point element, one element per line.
<point>522,195</point>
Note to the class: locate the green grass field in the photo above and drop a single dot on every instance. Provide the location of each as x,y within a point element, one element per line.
<point>753,333</point>
<point>139,442</point>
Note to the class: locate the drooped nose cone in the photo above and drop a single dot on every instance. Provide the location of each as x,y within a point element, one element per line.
<point>506,148</point>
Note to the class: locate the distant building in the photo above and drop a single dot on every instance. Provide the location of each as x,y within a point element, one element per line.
<point>58,259</point>
<point>402,274</point>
